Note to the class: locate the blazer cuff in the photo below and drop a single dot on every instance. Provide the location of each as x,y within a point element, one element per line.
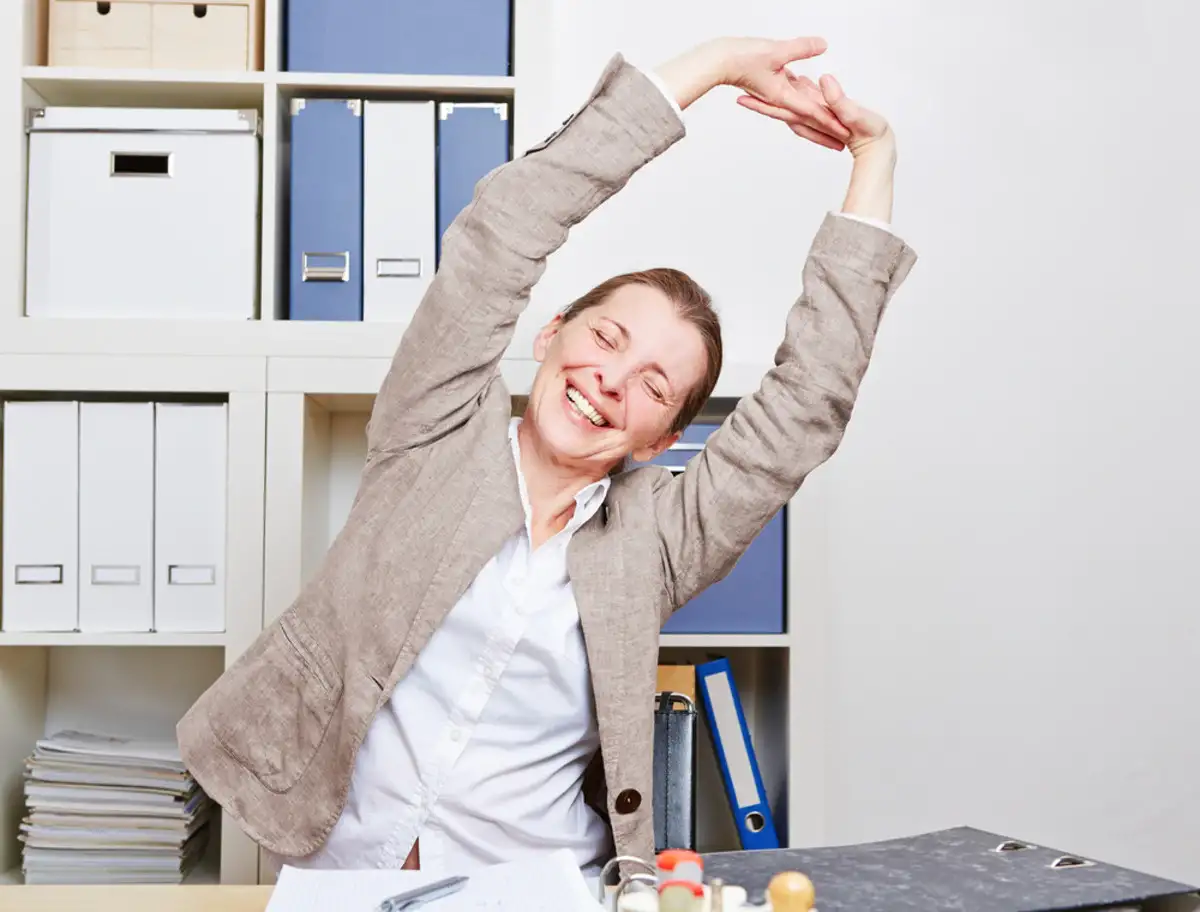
<point>866,220</point>
<point>660,85</point>
<point>649,116</point>
<point>876,253</point>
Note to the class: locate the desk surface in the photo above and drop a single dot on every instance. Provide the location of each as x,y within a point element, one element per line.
<point>150,898</point>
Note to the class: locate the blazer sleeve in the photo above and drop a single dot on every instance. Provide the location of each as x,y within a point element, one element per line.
<point>496,249</point>
<point>757,460</point>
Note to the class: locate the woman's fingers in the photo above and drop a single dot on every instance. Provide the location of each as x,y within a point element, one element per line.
<point>821,139</point>
<point>811,108</point>
<point>799,49</point>
<point>862,122</point>
<point>825,118</point>
<point>794,120</point>
<point>787,115</point>
<point>834,96</point>
<point>807,85</point>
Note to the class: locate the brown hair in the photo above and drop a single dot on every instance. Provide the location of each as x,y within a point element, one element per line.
<point>692,303</point>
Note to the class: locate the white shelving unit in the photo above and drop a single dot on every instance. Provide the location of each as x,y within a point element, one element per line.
<point>298,394</point>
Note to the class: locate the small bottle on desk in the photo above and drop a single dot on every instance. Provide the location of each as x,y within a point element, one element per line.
<point>679,864</point>
<point>680,896</point>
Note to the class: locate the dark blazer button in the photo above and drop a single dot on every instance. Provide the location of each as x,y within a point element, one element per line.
<point>628,801</point>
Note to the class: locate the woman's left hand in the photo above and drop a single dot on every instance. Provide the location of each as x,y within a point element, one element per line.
<point>867,133</point>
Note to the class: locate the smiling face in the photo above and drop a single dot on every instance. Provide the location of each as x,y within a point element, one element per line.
<point>614,377</point>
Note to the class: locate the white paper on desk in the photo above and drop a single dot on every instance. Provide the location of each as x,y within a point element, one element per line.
<point>547,883</point>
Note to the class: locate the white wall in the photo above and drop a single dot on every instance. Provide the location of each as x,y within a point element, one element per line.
<point>1014,618</point>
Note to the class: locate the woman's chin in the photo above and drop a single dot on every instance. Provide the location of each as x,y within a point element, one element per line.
<point>568,442</point>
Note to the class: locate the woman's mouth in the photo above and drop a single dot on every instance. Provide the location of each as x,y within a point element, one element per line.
<point>579,403</point>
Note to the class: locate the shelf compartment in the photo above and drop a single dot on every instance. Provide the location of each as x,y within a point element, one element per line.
<point>137,692</point>
<point>244,431</point>
<point>761,674</point>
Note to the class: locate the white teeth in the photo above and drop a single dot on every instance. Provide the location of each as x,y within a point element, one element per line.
<point>584,407</point>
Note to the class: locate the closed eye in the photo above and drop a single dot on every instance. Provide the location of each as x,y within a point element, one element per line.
<point>605,341</point>
<point>655,393</point>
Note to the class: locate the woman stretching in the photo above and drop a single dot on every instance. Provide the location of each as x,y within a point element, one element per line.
<point>469,676</point>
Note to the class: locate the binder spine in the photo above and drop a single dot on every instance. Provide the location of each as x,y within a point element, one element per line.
<point>674,771</point>
<point>735,755</point>
<point>472,140</point>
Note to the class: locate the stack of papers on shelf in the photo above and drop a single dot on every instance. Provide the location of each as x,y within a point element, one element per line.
<point>111,810</point>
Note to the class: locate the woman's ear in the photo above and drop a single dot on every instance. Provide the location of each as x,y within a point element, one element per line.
<point>541,344</point>
<point>646,453</point>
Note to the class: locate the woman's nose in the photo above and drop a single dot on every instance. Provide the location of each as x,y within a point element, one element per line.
<point>609,381</point>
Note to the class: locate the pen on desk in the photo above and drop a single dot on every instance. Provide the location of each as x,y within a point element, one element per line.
<point>421,895</point>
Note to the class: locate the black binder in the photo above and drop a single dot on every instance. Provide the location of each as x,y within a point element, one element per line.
<point>674,771</point>
<point>955,869</point>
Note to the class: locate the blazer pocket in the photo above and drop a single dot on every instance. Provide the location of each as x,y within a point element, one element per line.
<point>277,706</point>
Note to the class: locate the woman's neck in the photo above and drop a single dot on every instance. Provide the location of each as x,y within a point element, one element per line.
<point>550,486</point>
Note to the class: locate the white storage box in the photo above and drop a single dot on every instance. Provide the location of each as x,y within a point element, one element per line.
<point>163,34</point>
<point>147,213</point>
<point>40,511</point>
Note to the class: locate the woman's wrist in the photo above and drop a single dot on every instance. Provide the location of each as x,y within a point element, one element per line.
<point>870,192</point>
<point>876,151</point>
<point>696,71</point>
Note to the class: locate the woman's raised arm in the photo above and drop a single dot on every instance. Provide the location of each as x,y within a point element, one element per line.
<point>495,251</point>
<point>757,460</point>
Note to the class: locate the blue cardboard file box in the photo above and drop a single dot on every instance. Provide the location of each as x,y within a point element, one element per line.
<point>325,269</point>
<point>423,37</point>
<point>751,598</point>
<point>472,140</point>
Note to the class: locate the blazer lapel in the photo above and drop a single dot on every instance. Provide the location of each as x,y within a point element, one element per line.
<point>494,516</point>
<point>595,565</point>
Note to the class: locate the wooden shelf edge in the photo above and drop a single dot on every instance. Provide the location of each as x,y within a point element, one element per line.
<point>291,83</point>
<point>119,74</point>
<point>203,338</point>
<point>13,638</point>
<point>96,86</point>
